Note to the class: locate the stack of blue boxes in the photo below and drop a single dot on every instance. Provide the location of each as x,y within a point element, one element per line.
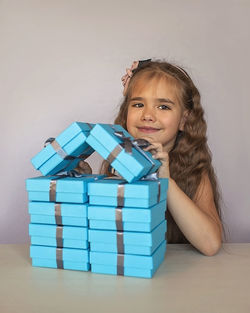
<point>58,204</point>
<point>126,217</point>
<point>113,225</point>
<point>59,223</point>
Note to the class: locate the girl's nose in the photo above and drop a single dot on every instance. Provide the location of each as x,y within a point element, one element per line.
<point>148,115</point>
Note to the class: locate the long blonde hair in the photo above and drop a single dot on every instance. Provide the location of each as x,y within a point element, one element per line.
<point>190,157</point>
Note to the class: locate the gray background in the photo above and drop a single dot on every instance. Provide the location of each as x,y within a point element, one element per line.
<point>62,61</point>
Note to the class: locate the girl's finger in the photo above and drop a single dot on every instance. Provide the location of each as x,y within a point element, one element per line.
<point>163,156</point>
<point>156,146</point>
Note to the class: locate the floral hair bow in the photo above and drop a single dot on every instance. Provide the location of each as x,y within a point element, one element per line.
<point>129,73</point>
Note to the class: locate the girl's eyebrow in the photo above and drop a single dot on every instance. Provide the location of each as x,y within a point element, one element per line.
<point>161,100</point>
<point>164,100</point>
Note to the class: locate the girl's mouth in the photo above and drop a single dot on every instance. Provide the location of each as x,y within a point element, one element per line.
<point>148,130</point>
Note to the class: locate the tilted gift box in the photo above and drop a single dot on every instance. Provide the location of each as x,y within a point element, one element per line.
<point>60,188</point>
<point>126,219</point>
<point>61,153</point>
<point>115,192</point>
<point>71,214</point>
<point>59,236</point>
<point>117,146</point>
<point>126,264</point>
<point>63,258</point>
<point>127,242</point>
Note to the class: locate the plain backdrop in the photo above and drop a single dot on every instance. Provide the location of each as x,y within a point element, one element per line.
<point>62,61</point>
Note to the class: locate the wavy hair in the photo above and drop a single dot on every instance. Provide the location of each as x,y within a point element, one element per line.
<point>190,156</point>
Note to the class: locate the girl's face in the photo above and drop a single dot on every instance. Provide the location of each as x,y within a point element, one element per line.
<point>155,112</point>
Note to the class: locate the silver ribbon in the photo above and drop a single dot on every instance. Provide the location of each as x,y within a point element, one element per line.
<point>118,219</point>
<point>120,194</point>
<point>52,187</point>
<point>59,258</point>
<point>120,242</point>
<point>120,264</point>
<point>159,192</point>
<point>58,213</point>
<point>59,150</point>
<point>154,177</point>
<point>59,236</point>
<point>119,227</point>
<point>52,190</point>
<point>53,182</point>
<point>127,144</point>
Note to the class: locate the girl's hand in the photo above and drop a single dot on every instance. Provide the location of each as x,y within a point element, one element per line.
<point>83,168</point>
<point>158,153</point>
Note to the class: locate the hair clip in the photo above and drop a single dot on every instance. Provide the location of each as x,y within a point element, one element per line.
<point>129,72</point>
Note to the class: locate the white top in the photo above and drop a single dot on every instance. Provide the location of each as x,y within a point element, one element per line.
<point>186,282</point>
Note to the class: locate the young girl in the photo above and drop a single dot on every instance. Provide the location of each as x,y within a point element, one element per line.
<point>162,105</point>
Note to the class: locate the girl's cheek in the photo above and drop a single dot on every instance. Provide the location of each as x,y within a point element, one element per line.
<point>129,118</point>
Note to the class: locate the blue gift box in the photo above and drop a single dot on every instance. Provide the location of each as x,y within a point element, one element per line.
<point>127,265</point>
<point>60,188</point>
<point>61,154</point>
<point>127,242</point>
<point>141,194</point>
<point>131,219</point>
<point>131,165</point>
<point>59,236</point>
<point>71,214</point>
<point>63,258</point>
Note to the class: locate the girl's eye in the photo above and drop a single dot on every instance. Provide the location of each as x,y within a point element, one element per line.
<point>164,107</point>
<point>137,105</point>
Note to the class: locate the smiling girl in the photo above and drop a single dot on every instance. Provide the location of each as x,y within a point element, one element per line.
<point>162,105</point>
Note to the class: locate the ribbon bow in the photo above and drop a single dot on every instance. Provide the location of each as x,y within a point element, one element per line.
<point>71,173</point>
<point>138,144</point>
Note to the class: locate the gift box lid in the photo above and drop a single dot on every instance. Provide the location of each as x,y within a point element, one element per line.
<point>59,242</point>
<point>50,208</point>
<point>71,142</point>
<point>63,184</point>
<point>54,231</point>
<point>143,193</point>
<point>59,220</point>
<point>128,238</point>
<point>131,165</point>
<point>129,260</point>
<point>67,254</point>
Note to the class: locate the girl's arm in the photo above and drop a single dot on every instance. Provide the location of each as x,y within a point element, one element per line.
<point>198,218</point>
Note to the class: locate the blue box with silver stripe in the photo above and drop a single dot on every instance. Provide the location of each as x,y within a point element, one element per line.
<point>64,151</point>
<point>126,218</point>
<point>71,214</point>
<point>59,236</point>
<point>62,258</point>
<point>125,155</point>
<point>115,192</point>
<point>60,188</point>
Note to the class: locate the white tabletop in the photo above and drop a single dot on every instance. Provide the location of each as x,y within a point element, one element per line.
<point>186,282</point>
